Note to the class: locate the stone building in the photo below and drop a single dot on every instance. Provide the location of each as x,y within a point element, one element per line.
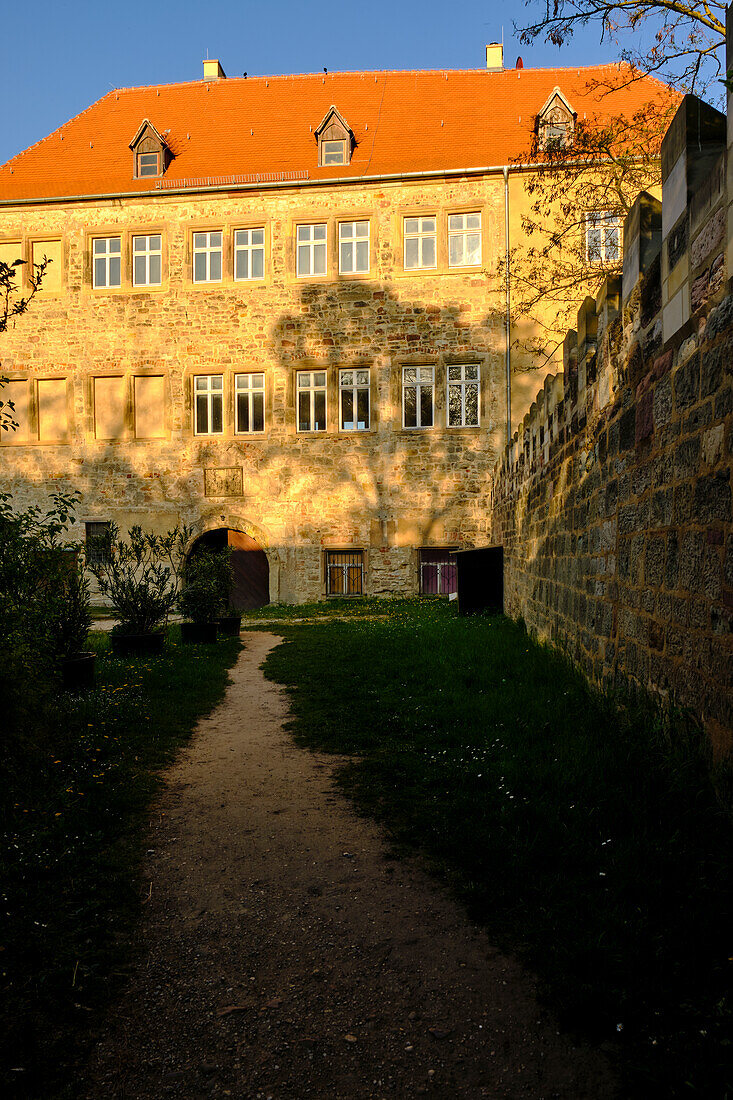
<point>273,313</point>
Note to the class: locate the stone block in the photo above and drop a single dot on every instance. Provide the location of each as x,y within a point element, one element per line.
<point>656,548</point>
<point>709,237</point>
<point>686,384</point>
<point>644,425</point>
<point>627,429</point>
<point>662,401</point>
<point>712,498</point>
<point>712,445</point>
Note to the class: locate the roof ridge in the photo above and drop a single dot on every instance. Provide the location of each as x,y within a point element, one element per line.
<point>35,144</point>
<point>366,72</point>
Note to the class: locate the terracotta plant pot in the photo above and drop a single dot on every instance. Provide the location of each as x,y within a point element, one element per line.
<point>198,633</point>
<point>230,625</point>
<point>138,645</point>
<point>77,672</point>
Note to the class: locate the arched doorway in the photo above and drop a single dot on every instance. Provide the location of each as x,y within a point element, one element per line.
<point>250,568</point>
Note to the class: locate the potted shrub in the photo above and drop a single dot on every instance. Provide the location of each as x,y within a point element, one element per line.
<point>71,622</point>
<point>201,599</point>
<point>139,576</point>
<point>230,622</point>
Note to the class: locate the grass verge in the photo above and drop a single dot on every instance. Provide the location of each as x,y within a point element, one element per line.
<point>583,831</point>
<point>74,793</point>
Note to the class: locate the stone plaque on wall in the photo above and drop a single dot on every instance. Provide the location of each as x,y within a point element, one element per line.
<point>226,481</point>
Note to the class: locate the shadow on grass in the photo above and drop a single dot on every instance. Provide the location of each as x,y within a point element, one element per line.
<point>75,792</point>
<point>584,831</point>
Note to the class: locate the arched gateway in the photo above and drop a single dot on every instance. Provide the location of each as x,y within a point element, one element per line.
<point>250,568</point>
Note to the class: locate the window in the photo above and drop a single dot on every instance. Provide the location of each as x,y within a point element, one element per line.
<point>354,400</point>
<point>148,164</point>
<point>345,572</point>
<point>110,407</point>
<point>354,248</point>
<point>149,392</point>
<point>98,537</point>
<point>250,402</point>
<point>463,396</point>
<point>107,262</point>
<point>437,573</point>
<point>312,401</point>
<point>418,385</point>
<point>602,237</point>
<point>208,404</point>
<point>14,393</point>
<point>147,260</point>
<point>207,257</point>
<point>311,250</point>
<point>334,152</point>
<point>53,252</point>
<point>249,254</point>
<point>53,423</point>
<point>464,240</point>
<point>420,237</point>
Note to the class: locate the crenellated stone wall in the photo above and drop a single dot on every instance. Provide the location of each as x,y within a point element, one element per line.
<point>613,502</point>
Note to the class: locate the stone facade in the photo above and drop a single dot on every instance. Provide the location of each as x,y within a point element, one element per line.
<point>387,491</point>
<point>613,502</point>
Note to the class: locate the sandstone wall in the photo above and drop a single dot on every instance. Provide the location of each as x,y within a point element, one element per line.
<point>388,491</point>
<point>613,501</point>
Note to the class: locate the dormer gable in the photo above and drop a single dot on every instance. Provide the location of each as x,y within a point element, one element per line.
<point>335,139</point>
<point>556,121</point>
<point>150,152</point>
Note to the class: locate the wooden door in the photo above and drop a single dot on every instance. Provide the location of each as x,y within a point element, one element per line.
<point>251,572</point>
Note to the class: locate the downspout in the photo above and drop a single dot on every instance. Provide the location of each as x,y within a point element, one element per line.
<point>508,316</point>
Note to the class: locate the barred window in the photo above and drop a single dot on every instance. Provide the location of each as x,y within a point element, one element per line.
<point>345,572</point>
<point>97,543</point>
<point>250,403</point>
<point>354,400</point>
<point>463,396</point>
<point>418,389</point>
<point>437,573</point>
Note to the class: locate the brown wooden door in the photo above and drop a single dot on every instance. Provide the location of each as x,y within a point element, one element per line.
<point>251,572</point>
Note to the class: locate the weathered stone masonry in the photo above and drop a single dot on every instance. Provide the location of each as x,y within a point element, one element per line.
<point>613,503</point>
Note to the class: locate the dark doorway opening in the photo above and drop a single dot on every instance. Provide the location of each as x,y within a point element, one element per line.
<point>250,568</point>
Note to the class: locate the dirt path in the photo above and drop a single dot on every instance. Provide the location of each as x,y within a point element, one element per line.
<point>286,956</point>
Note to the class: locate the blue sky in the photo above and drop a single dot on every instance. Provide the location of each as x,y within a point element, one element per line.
<point>62,55</point>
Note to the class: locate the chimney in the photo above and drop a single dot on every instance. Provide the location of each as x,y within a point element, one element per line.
<point>495,57</point>
<point>213,70</point>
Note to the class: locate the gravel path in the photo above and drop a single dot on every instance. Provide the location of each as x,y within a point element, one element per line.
<point>285,955</point>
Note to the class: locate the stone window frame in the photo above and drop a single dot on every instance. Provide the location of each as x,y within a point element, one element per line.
<point>420,235</point>
<point>21,239</point>
<point>7,439</point>
<point>147,253</point>
<point>331,221</point>
<point>312,243</point>
<point>210,392</point>
<point>208,250</point>
<point>440,211</point>
<point>249,248</point>
<point>128,432</point>
<point>127,286</point>
<point>354,240</point>
<point>38,238</point>
<point>354,388</point>
<point>344,548</point>
<point>108,255</point>
<point>418,384</point>
<point>312,369</point>
<point>152,372</point>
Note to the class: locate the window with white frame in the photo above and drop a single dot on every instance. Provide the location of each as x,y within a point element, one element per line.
<point>311,388</point>
<point>107,256</point>
<point>249,392</point>
<point>418,391</point>
<point>311,259</point>
<point>345,572</point>
<point>420,242</point>
<point>354,400</point>
<point>464,240</point>
<point>207,251</point>
<point>463,395</point>
<point>147,260</point>
<point>249,254</point>
<point>208,392</point>
<point>603,237</point>
<point>354,248</point>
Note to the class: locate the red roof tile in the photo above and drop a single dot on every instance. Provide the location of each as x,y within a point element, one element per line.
<point>403,122</point>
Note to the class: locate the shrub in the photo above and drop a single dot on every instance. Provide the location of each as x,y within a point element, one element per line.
<point>205,594</point>
<point>139,575</point>
<point>72,620</point>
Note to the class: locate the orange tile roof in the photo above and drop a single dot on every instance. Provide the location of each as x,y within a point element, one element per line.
<point>404,122</point>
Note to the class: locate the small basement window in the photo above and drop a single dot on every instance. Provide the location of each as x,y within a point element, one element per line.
<point>345,572</point>
<point>437,573</point>
<point>97,543</point>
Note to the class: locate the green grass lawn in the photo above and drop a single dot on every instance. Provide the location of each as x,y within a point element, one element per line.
<point>74,794</point>
<point>583,832</point>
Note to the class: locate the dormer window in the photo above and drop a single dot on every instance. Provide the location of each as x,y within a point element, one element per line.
<point>150,151</point>
<point>556,122</point>
<point>335,139</point>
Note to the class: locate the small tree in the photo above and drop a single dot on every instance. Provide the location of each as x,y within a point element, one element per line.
<point>11,307</point>
<point>206,584</point>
